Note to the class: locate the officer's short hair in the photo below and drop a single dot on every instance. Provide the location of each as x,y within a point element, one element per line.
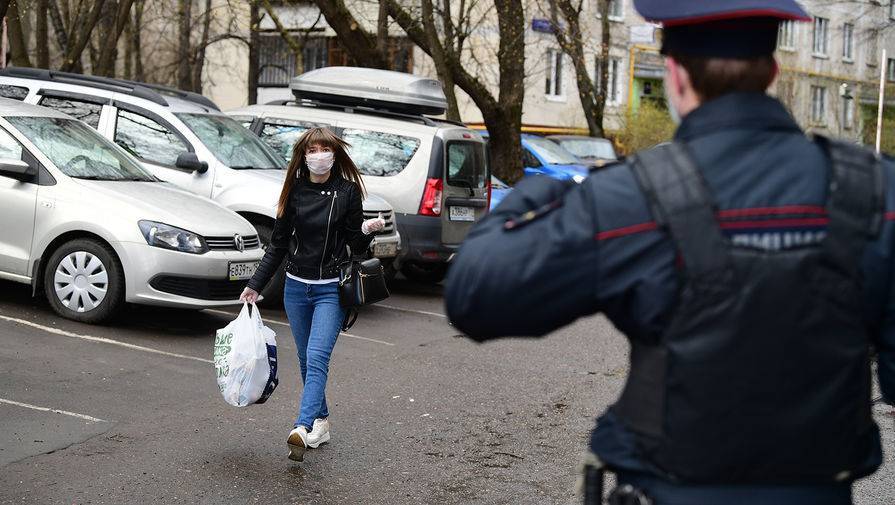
<point>713,77</point>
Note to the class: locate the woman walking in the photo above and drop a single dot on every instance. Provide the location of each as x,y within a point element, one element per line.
<point>319,216</point>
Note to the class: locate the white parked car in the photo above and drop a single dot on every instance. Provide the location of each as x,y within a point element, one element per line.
<point>433,172</point>
<point>183,138</point>
<point>83,221</point>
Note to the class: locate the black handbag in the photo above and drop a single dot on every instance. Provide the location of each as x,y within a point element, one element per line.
<point>362,283</point>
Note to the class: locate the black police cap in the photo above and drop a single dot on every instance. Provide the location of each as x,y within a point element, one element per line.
<point>720,28</point>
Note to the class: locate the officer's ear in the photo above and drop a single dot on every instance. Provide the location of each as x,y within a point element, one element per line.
<point>680,89</point>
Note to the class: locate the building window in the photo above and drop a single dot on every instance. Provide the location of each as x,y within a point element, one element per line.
<point>848,112</point>
<point>617,9</point>
<point>848,42</point>
<point>786,36</point>
<point>890,69</point>
<point>821,36</point>
<point>818,104</point>
<point>554,73</point>
<point>892,9</point>
<point>612,78</point>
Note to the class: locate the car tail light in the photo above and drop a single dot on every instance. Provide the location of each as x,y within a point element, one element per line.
<point>431,204</point>
<point>489,194</point>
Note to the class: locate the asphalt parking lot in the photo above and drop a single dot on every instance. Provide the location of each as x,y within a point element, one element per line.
<point>130,412</point>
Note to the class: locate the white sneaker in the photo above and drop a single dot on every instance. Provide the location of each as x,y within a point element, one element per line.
<point>298,442</point>
<point>319,434</point>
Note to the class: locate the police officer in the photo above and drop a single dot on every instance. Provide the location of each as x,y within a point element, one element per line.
<point>750,266</point>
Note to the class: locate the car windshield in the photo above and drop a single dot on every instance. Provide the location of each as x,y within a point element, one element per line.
<point>550,152</point>
<point>231,143</point>
<point>79,151</point>
<point>589,148</point>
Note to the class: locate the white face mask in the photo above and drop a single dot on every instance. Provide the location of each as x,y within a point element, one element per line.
<point>320,163</point>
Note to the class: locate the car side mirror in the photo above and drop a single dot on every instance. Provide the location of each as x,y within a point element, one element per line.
<point>17,169</point>
<point>190,161</point>
<point>528,171</point>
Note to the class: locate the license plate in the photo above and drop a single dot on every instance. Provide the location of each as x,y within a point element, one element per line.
<point>462,214</point>
<point>243,271</point>
<point>385,250</point>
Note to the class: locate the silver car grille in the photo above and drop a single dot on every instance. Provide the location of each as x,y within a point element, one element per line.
<point>229,243</point>
<point>388,216</point>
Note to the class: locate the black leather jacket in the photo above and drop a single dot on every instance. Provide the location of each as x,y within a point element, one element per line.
<point>320,223</point>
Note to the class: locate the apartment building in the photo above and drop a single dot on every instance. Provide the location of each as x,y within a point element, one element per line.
<point>829,77</point>
<point>831,66</point>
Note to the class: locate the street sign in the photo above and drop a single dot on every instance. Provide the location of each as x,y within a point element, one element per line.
<point>541,25</point>
<point>643,34</point>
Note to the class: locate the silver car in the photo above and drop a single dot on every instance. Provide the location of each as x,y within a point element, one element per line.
<point>83,221</point>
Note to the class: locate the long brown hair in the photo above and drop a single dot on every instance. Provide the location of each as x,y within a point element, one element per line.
<point>297,170</point>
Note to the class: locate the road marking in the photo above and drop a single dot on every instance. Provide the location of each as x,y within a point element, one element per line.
<point>281,323</point>
<point>412,311</point>
<point>45,409</point>
<point>102,340</point>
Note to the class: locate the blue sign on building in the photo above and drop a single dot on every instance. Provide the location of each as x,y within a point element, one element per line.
<point>541,25</point>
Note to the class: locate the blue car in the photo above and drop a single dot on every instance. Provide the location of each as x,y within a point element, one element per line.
<point>541,156</point>
<point>499,189</point>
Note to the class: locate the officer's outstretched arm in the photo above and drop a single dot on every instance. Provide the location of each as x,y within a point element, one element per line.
<point>530,267</point>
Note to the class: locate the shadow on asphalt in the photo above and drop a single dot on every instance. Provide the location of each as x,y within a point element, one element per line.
<point>16,301</point>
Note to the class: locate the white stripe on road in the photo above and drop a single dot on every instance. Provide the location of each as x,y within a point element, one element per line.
<point>281,323</point>
<point>412,311</point>
<point>45,409</point>
<point>102,340</point>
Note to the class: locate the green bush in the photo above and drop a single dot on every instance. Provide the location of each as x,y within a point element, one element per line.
<point>649,125</point>
<point>887,142</point>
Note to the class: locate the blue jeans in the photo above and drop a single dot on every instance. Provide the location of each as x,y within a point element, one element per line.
<point>316,319</point>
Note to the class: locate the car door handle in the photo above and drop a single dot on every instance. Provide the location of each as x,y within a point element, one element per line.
<point>455,201</point>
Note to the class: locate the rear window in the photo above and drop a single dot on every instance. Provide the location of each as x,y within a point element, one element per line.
<point>14,92</point>
<point>379,153</point>
<point>282,134</point>
<point>87,112</point>
<point>466,164</point>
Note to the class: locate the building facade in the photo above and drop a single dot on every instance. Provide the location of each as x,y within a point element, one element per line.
<point>829,68</point>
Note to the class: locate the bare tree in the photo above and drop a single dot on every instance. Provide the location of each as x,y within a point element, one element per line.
<point>571,40</point>
<point>41,34</point>
<point>136,41</point>
<point>359,43</point>
<point>502,113</point>
<point>86,19</point>
<point>296,45</point>
<point>199,64</point>
<point>18,45</point>
<point>184,15</point>
<point>109,52</point>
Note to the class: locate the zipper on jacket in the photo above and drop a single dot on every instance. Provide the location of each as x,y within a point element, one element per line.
<point>296,243</point>
<point>326,238</point>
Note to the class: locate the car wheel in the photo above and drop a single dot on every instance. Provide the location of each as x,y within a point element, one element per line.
<point>84,281</point>
<point>273,293</point>
<point>424,272</point>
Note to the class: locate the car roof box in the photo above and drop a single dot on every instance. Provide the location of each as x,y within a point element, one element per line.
<point>369,87</point>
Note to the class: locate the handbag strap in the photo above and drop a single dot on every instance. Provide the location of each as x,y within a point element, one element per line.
<point>350,318</point>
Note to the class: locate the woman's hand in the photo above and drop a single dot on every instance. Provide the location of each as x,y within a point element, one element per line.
<point>248,295</point>
<point>373,225</point>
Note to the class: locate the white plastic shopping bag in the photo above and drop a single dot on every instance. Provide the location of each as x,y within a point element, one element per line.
<point>245,359</point>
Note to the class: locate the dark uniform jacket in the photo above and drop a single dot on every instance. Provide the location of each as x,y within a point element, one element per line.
<point>319,222</point>
<point>595,247</point>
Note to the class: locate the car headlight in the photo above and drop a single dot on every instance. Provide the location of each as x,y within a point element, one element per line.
<point>170,237</point>
<point>578,178</point>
